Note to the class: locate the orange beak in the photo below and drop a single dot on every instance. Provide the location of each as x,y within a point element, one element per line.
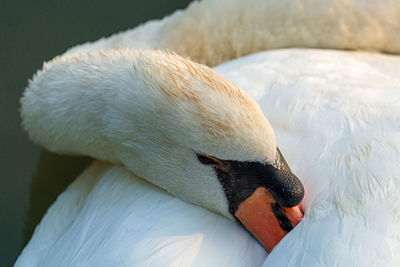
<point>265,219</point>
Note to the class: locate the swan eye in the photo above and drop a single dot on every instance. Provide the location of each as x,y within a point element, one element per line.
<point>206,160</point>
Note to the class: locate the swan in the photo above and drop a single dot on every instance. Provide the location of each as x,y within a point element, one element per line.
<point>177,124</point>
<point>349,168</point>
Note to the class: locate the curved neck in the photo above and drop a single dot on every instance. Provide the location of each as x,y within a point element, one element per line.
<point>251,26</point>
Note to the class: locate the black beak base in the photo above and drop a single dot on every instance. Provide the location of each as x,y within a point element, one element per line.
<point>240,179</point>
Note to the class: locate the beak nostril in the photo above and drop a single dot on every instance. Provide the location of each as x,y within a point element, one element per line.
<point>280,215</point>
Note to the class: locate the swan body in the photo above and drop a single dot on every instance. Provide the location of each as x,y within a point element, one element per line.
<point>110,217</point>
<point>336,118</point>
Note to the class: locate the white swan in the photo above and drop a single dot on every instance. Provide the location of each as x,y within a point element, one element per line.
<point>173,122</point>
<point>336,115</point>
<point>341,197</point>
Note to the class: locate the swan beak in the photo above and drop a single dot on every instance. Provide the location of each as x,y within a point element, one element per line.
<point>268,221</point>
<point>265,198</point>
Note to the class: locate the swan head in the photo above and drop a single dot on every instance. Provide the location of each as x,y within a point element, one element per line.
<point>178,124</point>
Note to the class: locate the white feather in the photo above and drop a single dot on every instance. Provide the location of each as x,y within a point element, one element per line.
<point>109,217</point>
<point>336,116</point>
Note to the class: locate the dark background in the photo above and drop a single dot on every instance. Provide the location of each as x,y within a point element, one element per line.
<point>32,32</point>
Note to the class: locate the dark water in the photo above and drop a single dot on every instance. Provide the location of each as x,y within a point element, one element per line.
<point>32,32</point>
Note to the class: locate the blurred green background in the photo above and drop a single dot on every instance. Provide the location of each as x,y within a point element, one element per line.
<point>32,32</point>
